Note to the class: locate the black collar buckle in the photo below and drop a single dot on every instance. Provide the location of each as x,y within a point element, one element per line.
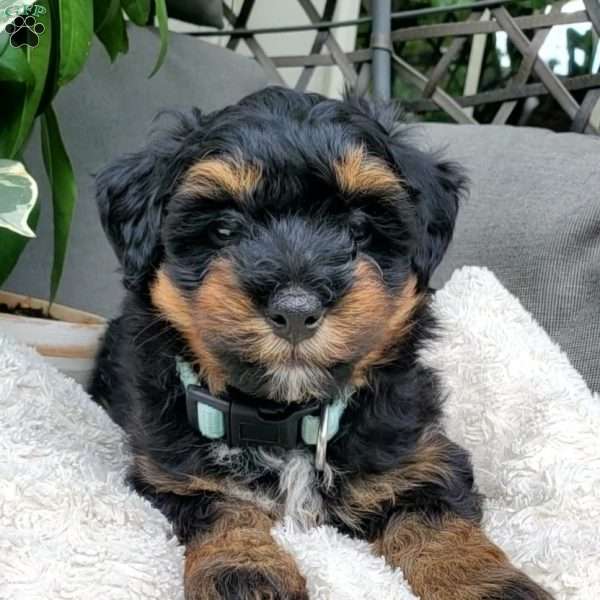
<point>255,423</point>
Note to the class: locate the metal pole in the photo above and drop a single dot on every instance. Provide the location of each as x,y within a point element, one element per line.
<point>381,46</point>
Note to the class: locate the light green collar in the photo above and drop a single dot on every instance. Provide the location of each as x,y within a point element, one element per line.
<point>211,421</point>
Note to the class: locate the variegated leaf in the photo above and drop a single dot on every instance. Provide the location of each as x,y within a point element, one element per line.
<point>18,195</point>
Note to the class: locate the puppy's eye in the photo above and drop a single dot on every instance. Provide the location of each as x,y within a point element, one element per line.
<point>223,234</point>
<point>360,233</point>
<point>361,236</point>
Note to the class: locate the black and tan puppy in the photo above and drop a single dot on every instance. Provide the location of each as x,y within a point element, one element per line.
<point>277,256</point>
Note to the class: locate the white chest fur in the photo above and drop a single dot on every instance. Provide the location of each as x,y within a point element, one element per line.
<point>297,495</point>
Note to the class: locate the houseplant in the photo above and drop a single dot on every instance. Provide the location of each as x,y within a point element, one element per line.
<point>32,72</point>
<point>43,46</point>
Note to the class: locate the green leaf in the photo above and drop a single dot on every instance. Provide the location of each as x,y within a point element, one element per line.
<point>12,245</point>
<point>163,27</point>
<point>39,60</point>
<point>114,36</point>
<point>13,120</point>
<point>64,192</point>
<point>76,31</point>
<point>137,10</point>
<point>14,66</point>
<point>23,73</point>
<point>51,87</point>
<point>104,12</point>
<point>4,43</point>
<point>18,195</point>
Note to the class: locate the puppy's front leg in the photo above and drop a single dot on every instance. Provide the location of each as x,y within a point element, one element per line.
<point>230,553</point>
<point>424,517</point>
<point>449,558</point>
<point>238,559</point>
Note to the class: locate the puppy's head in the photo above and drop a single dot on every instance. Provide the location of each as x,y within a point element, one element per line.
<point>289,238</point>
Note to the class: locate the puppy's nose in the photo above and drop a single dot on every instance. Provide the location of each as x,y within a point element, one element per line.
<point>295,314</point>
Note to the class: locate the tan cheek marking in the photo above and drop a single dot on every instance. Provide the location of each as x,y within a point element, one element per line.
<point>167,298</point>
<point>234,176</point>
<point>361,312</point>
<point>222,306</point>
<point>231,314</point>
<point>177,310</point>
<point>398,324</point>
<point>221,309</point>
<point>358,173</point>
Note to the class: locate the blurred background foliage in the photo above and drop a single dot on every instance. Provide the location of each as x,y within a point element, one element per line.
<point>569,50</point>
<point>31,76</point>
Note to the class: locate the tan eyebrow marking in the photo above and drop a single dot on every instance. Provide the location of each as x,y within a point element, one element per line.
<point>213,175</point>
<point>358,173</point>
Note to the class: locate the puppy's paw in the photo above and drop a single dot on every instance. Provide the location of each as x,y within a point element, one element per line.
<point>246,583</point>
<point>252,584</point>
<point>519,587</point>
<point>241,564</point>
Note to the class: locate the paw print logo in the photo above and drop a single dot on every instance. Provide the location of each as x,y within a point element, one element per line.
<point>25,31</point>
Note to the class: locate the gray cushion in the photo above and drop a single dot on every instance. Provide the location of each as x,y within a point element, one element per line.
<point>106,111</point>
<point>533,218</point>
<point>199,12</point>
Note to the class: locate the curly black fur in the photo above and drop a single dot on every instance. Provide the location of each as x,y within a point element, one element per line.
<point>295,226</point>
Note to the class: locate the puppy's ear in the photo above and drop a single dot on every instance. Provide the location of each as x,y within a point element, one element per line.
<point>388,115</point>
<point>132,195</point>
<point>435,185</point>
<point>436,188</point>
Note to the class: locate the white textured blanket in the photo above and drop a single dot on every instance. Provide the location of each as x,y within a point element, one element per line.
<point>70,529</point>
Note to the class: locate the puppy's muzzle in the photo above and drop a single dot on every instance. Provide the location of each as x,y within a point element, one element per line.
<point>295,314</point>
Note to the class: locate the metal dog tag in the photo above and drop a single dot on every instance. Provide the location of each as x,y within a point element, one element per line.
<point>321,450</point>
